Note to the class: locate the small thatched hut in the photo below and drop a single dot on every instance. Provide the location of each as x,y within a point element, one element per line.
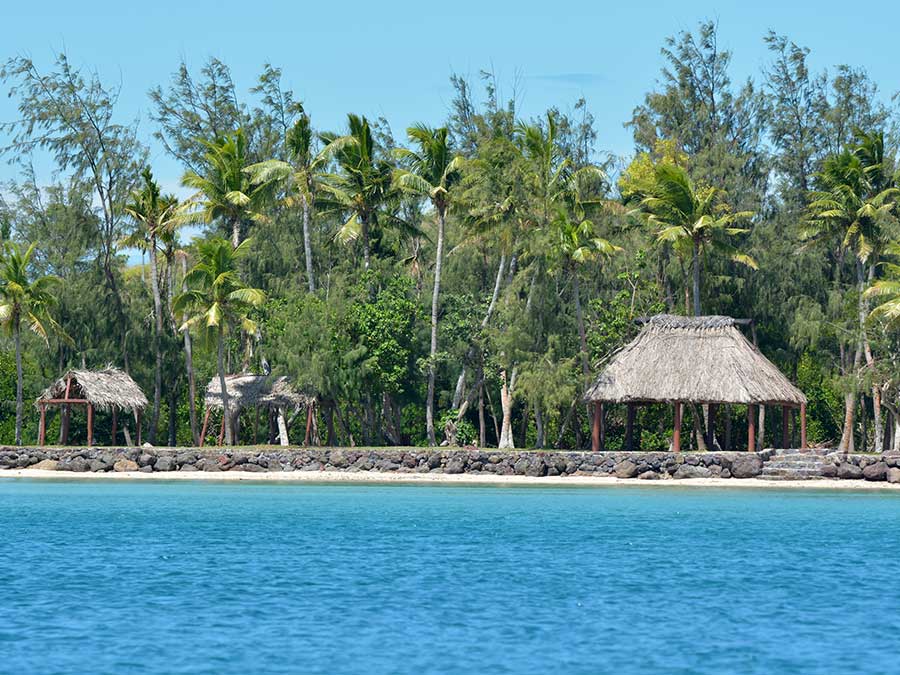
<point>109,390</point>
<point>268,392</point>
<point>700,360</point>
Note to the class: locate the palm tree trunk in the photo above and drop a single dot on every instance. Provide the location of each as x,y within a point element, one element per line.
<point>307,245</point>
<point>506,437</point>
<point>870,360</point>
<point>189,368</point>
<point>220,361</point>
<point>696,272</point>
<point>439,256</point>
<point>364,234</point>
<point>582,335</point>
<point>236,232</point>
<point>17,329</point>
<point>157,347</point>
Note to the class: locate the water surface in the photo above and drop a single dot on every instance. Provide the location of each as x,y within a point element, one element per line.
<point>117,577</point>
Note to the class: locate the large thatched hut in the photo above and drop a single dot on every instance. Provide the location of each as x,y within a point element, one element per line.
<point>108,390</point>
<point>273,394</point>
<point>697,360</point>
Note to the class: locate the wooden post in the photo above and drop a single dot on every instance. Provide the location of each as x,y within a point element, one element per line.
<point>205,425</point>
<point>629,427</point>
<point>595,427</point>
<point>785,426</point>
<point>67,413</point>
<point>115,419</point>
<point>711,426</point>
<point>803,426</point>
<point>90,424</point>
<point>42,429</point>
<point>676,433</point>
<point>751,428</point>
<point>137,423</point>
<point>222,429</point>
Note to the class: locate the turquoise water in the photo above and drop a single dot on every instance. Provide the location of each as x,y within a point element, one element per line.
<point>100,577</point>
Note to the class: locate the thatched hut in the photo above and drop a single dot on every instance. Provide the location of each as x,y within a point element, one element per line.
<point>108,390</point>
<point>699,360</point>
<point>271,393</point>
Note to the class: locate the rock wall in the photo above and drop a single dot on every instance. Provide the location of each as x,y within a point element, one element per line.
<point>642,465</point>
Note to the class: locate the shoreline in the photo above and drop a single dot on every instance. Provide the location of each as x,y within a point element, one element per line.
<point>374,477</point>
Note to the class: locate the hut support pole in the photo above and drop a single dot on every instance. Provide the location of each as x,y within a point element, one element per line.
<point>205,425</point>
<point>222,429</point>
<point>309,417</point>
<point>785,426</point>
<point>629,427</point>
<point>115,419</point>
<point>137,423</point>
<point>711,410</point>
<point>751,428</point>
<point>67,413</point>
<point>676,432</point>
<point>596,441</point>
<point>803,426</point>
<point>42,429</point>
<point>90,424</point>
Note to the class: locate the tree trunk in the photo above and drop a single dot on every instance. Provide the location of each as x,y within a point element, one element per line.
<point>582,336</point>
<point>307,245</point>
<point>364,235</point>
<point>235,232</point>
<point>870,361</point>
<point>538,427</point>
<point>20,404</point>
<point>460,382</point>
<point>189,367</point>
<point>696,272</point>
<point>173,417</point>
<point>282,428</point>
<point>846,444</point>
<point>220,359</point>
<point>429,405</point>
<point>157,344</point>
<point>506,435</point>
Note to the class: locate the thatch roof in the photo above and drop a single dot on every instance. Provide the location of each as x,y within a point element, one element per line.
<point>105,389</point>
<point>702,359</point>
<point>249,391</point>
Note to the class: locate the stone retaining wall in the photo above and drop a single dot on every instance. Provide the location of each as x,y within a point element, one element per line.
<point>642,465</point>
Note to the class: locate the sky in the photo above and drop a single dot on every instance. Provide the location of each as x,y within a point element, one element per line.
<point>394,58</point>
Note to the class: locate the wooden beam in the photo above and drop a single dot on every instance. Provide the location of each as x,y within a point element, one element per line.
<point>676,432</point>
<point>629,427</point>
<point>751,428</point>
<point>711,410</point>
<point>595,427</point>
<point>90,424</point>
<point>115,419</point>
<point>66,401</point>
<point>803,426</point>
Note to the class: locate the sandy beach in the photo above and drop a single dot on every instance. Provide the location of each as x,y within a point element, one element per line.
<point>446,479</point>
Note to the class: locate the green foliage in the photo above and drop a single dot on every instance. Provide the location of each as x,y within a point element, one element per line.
<point>825,408</point>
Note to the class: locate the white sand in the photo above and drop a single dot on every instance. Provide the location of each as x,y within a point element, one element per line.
<point>440,478</point>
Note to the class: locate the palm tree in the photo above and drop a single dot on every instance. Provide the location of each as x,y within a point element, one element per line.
<point>225,190</point>
<point>216,300</point>
<point>302,177</point>
<point>24,297</point>
<point>693,219</point>
<point>431,172</point>
<point>363,185</point>
<point>154,215</point>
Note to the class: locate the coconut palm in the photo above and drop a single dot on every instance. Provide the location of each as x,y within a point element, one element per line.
<point>693,219</point>
<point>361,187</point>
<point>155,215</point>
<point>431,171</point>
<point>217,300</point>
<point>24,298</point>
<point>302,178</point>
<point>225,189</point>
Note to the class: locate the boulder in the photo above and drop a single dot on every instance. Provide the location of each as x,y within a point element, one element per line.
<point>434,460</point>
<point>146,459</point>
<point>746,466</point>
<point>876,471</point>
<point>188,467</point>
<point>74,464</point>
<point>45,465</point>
<point>456,465</point>
<point>691,471</point>
<point>125,465</point>
<point>848,471</point>
<point>893,475</point>
<point>649,475</point>
<point>164,463</point>
<point>626,469</point>
<point>97,465</point>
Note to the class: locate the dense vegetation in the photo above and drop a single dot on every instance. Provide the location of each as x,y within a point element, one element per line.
<point>461,281</point>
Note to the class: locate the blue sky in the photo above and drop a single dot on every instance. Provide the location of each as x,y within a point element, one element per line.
<point>394,58</point>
